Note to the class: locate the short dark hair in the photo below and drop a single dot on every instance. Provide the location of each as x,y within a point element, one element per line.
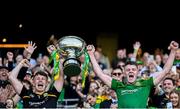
<point>173,81</point>
<point>118,67</point>
<point>131,63</point>
<point>4,67</point>
<point>41,73</point>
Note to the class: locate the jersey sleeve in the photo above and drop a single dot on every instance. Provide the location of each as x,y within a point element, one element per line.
<point>150,82</point>
<point>54,92</point>
<point>24,92</point>
<point>116,84</point>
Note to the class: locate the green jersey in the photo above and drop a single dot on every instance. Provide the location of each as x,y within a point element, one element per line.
<point>133,95</point>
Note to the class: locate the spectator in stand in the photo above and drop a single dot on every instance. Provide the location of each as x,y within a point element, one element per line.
<point>6,89</point>
<point>174,97</point>
<point>165,57</point>
<point>145,58</point>
<point>177,58</point>
<point>153,68</point>
<point>19,58</point>
<point>131,88</point>
<point>161,101</point>
<point>114,100</point>
<point>158,60</point>
<point>1,63</point>
<point>121,55</point>
<point>38,97</point>
<point>117,73</point>
<point>9,103</point>
<point>98,57</point>
<point>103,58</point>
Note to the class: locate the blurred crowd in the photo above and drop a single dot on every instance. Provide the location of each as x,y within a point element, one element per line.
<point>95,94</point>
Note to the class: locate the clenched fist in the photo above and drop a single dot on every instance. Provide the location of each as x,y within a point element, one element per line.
<point>173,45</point>
<point>90,49</point>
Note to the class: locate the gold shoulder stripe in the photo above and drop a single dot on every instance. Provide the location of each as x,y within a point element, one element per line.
<point>26,96</point>
<point>52,95</point>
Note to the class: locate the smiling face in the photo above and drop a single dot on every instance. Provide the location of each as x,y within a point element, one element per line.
<point>131,73</point>
<point>9,104</point>
<point>40,83</point>
<point>3,74</point>
<point>174,98</point>
<point>168,86</point>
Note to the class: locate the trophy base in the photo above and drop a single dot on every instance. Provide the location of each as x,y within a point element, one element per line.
<point>71,67</point>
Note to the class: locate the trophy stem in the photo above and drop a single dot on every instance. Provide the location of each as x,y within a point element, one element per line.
<point>71,67</point>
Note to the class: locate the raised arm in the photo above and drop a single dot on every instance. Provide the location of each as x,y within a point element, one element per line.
<point>97,70</point>
<point>14,73</point>
<point>167,67</point>
<point>16,99</point>
<point>10,60</point>
<point>58,84</point>
<point>136,47</point>
<point>28,51</point>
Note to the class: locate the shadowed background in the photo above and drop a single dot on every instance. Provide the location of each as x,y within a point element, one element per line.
<point>110,28</point>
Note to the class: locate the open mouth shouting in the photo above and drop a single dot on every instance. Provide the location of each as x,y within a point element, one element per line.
<point>40,85</point>
<point>131,77</point>
<point>4,74</point>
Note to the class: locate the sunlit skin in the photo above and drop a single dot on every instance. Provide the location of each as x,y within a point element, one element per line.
<point>168,86</point>
<point>174,98</point>
<point>178,83</point>
<point>120,54</point>
<point>46,60</point>
<point>9,104</point>
<point>178,54</point>
<point>131,72</point>
<point>140,66</point>
<point>3,74</point>
<point>91,100</point>
<point>40,82</point>
<point>117,74</point>
<point>19,58</point>
<point>165,57</point>
<point>152,68</point>
<point>93,87</point>
<point>158,59</point>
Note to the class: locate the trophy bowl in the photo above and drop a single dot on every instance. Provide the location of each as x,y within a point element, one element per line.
<point>71,48</point>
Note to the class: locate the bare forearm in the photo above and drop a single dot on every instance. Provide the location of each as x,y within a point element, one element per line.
<point>167,68</point>
<point>97,70</point>
<point>136,48</point>
<point>16,99</point>
<point>26,55</point>
<point>13,78</point>
<point>80,94</point>
<point>14,73</point>
<point>135,53</point>
<point>60,81</point>
<point>169,63</point>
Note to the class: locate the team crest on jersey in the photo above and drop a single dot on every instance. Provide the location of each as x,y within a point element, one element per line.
<point>31,95</point>
<point>138,83</point>
<point>45,94</point>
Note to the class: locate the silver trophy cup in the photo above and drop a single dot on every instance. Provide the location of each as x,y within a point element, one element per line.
<point>71,48</point>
